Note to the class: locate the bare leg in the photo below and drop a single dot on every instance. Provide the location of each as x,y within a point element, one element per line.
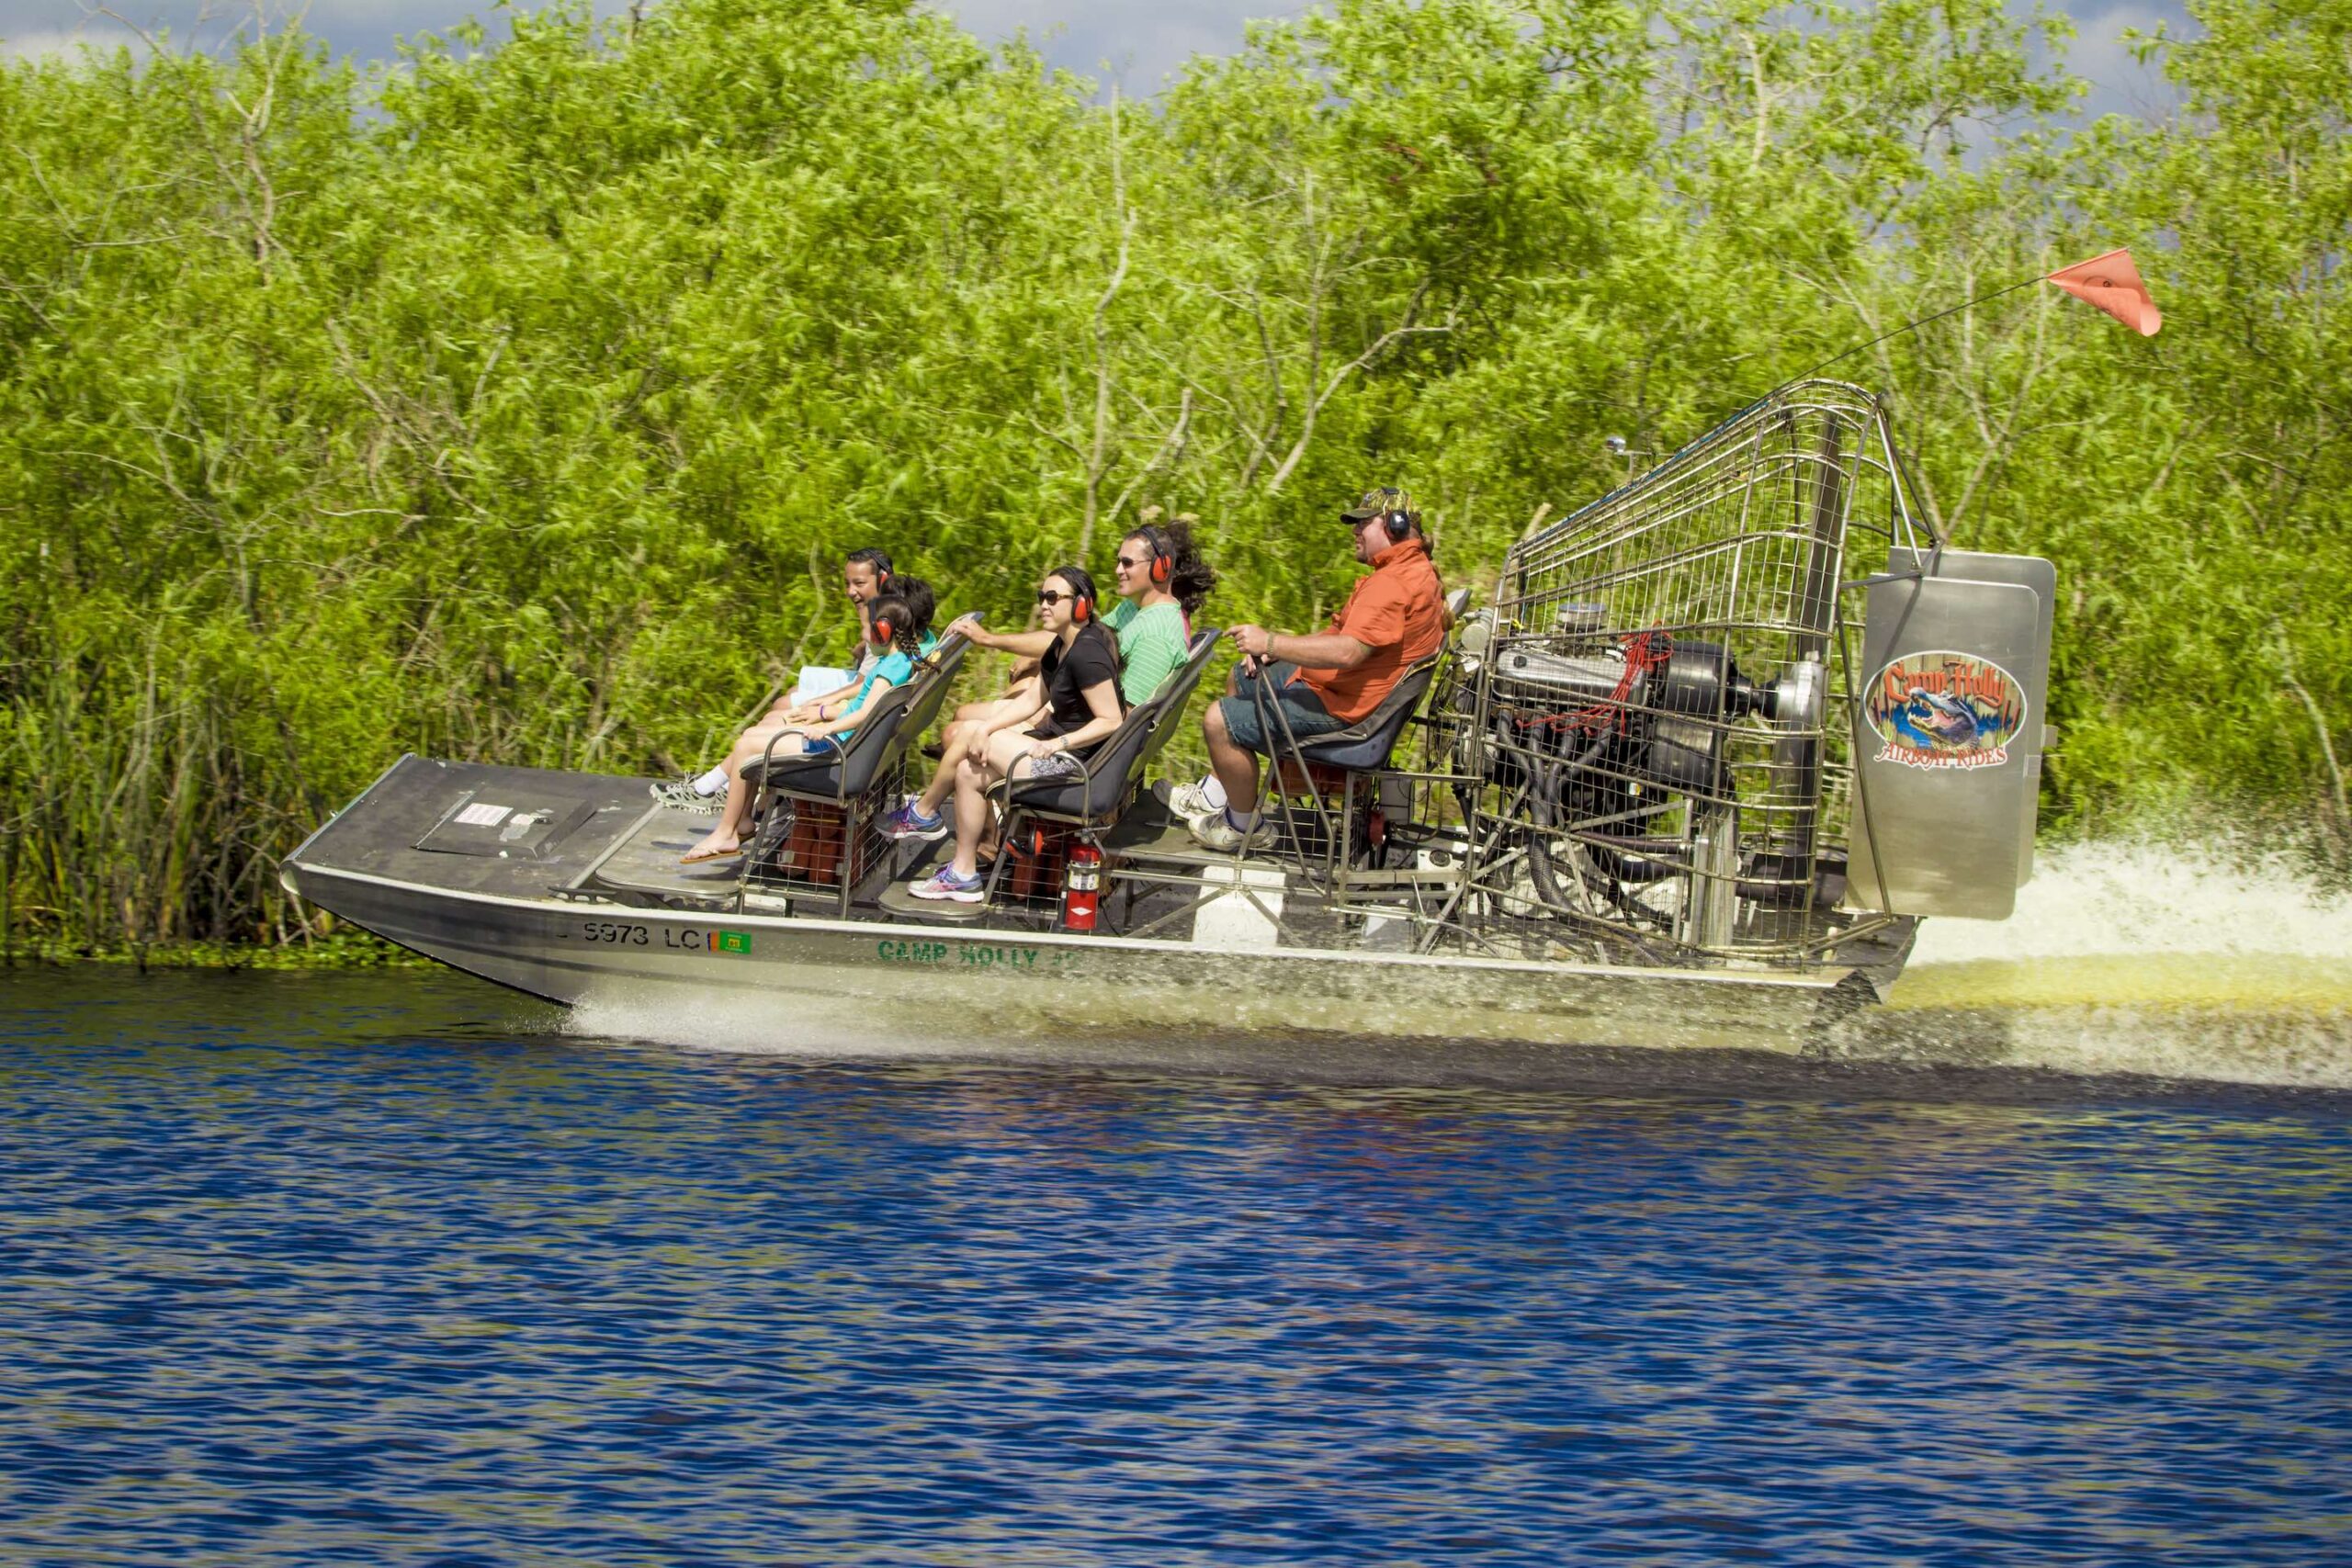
<point>726,834</point>
<point>955,741</point>
<point>971,814</point>
<point>1236,768</point>
<point>956,744</point>
<point>973,776</point>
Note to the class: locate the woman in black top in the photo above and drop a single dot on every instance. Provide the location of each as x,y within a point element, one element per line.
<point>1080,708</point>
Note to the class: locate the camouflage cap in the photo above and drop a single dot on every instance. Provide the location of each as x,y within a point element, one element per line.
<point>1380,503</point>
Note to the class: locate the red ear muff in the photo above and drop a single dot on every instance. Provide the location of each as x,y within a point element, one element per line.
<point>1162,564</point>
<point>882,628</point>
<point>1081,610</point>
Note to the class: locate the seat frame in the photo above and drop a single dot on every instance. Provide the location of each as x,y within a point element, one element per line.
<point>1322,804</point>
<point>858,782</point>
<point>1154,719</point>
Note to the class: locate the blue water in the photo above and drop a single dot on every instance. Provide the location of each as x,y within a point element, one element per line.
<point>367,1270</point>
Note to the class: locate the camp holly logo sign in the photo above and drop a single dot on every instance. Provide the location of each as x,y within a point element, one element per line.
<point>1944,709</point>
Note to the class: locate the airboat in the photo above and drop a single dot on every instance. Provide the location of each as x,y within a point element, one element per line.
<point>1723,737</point>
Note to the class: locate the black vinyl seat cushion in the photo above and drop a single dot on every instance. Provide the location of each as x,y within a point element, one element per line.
<point>1365,744</point>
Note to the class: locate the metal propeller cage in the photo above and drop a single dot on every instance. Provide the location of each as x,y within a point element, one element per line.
<point>1660,716</point>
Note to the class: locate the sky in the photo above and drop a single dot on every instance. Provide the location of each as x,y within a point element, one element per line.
<point>1138,44</point>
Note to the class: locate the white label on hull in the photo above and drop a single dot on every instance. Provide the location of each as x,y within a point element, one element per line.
<point>481,816</point>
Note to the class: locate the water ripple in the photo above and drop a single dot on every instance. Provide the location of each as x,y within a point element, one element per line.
<point>309,1272</point>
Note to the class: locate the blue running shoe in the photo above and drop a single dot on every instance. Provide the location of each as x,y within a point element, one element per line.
<point>906,822</point>
<point>944,884</point>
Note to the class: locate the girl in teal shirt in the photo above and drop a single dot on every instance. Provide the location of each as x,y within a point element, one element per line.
<point>899,625</point>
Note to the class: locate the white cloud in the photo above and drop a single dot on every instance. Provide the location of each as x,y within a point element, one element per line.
<point>2120,83</point>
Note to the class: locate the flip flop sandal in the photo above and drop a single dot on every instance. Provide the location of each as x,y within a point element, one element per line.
<point>704,856</point>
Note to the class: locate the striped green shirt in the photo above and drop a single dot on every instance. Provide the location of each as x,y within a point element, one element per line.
<point>1152,645</point>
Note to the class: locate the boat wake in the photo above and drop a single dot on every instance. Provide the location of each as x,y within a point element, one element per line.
<point>2139,958</point>
<point>2124,959</point>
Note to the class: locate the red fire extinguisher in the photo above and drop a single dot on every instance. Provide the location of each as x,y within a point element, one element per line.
<point>1081,880</point>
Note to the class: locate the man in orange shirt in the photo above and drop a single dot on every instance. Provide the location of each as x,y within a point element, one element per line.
<point>1326,682</point>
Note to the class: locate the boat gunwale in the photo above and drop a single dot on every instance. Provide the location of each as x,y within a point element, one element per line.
<point>1823,978</point>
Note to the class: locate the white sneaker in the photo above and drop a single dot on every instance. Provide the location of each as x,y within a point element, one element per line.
<point>1218,832</point>
<point>680,795</point>
<point>1190,801</point>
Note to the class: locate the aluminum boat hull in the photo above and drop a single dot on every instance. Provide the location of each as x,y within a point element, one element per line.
<point>514,923</point>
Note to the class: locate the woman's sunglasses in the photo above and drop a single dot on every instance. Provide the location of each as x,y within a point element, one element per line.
<point>1053,596</point>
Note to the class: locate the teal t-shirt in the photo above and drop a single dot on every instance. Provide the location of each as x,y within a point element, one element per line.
<point>1152,645</point>
<point>892,669</point>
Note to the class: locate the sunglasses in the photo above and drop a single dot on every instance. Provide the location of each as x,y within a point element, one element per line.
<point>1136,565</point>
<point>1054,596</point>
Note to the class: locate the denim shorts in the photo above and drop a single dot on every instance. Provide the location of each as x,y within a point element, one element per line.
<point>1301,709</point>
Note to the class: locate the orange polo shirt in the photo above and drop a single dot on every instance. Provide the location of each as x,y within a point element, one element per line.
<point>1399,611</point>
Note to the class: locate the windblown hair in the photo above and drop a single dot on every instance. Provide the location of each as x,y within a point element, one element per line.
<point>922,604</point>
<point>1190,578</point>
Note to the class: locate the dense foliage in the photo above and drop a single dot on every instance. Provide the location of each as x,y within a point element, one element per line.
<point>516,401</point>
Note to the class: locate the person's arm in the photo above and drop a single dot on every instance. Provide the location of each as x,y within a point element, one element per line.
<point>833,717</point>
<point>1013,717</point>
<point>1029,645</point>
<point>806,712</point>
<point>1102,701</point>
<point>1328,650</point>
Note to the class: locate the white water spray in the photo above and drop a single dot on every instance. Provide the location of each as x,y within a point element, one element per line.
<point>2142,899</point>
<point>2139,957</point>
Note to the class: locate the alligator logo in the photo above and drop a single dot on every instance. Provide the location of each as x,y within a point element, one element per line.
<point>1944,709</point>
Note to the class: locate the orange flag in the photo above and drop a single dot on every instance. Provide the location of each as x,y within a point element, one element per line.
<point>2112,283</point>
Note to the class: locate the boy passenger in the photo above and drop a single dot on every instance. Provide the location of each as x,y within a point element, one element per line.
<point>1326,682</point>
<point>865,573</point>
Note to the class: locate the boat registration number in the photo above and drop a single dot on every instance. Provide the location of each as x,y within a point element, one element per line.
<point>622,933</point>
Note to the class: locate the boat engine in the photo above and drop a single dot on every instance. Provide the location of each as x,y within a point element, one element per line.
<point>1650,710</point>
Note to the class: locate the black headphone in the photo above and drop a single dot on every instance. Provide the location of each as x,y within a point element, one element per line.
<point>1399,516</point>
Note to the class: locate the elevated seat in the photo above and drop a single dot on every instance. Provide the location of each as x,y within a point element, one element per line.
<point>1366,744</point>
<point>813,817</point>
<point>1324,793</point>
<point>1091,799</point>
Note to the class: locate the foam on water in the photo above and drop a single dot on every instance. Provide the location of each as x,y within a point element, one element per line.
<point>2122,958</point>
<point>2141,957</point>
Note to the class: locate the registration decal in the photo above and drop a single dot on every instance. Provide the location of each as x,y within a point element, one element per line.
<point>627,933</point>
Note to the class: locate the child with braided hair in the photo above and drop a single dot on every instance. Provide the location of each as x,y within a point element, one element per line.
<point>898,630</point>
